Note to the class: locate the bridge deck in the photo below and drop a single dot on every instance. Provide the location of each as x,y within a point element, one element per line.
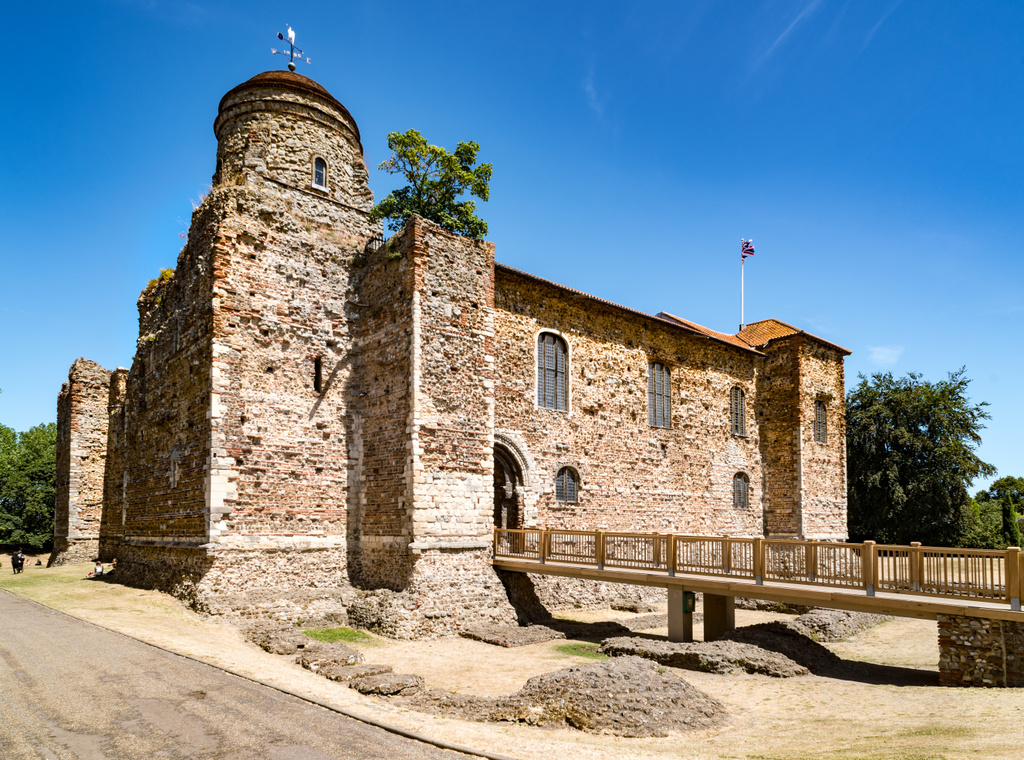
<point>856,600</point>
<point>909,581</point>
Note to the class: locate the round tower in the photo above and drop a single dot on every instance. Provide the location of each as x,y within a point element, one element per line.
<point>283,129</point>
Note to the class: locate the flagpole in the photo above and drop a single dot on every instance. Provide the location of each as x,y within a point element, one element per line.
<point>743,260</point>
<point>746,249</point>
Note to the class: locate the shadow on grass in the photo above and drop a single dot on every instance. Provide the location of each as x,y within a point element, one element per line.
<point>597,632</point>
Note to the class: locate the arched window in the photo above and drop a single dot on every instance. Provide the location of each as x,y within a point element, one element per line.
<point>659,394</point>
<point>820,422</point>
<point>738,411</point>
<point>552,372</point>
<point>567,485</point>
<point>740,491</point>
<point>320,173</point>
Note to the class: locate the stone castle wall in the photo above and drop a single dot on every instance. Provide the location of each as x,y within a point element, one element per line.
<point>271,129</point>
<point>381,451</point>
<point>115,473</point>
<point>778,415</point>
<point>823,467</point>
<point>166,439</point>
<point>453,389</point>
<point>81,459</point>
<point>633,476</point>
<point>270,290</point>
<point>805,480</point>
<point>308,426</point>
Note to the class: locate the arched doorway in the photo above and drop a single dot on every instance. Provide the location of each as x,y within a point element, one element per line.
<point>508,482</point>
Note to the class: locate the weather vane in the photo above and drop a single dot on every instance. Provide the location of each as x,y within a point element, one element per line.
<point>292,52</point>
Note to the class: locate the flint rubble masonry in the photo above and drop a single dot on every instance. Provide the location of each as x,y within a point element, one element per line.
<point>308,426</point>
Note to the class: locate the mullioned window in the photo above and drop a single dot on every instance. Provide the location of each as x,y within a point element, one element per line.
<point>552,372</point>
<point>659,395</point>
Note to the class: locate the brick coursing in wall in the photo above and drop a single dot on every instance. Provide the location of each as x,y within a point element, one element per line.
<point>236,481</point>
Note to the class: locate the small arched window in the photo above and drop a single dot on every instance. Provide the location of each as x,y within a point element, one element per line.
<point>740,491</point>
<point>320,173</point>
<point>567,485</point>
<point>820,422</point>
<point>738,411</point>
<point>659,394</point>
<point>552,372</point>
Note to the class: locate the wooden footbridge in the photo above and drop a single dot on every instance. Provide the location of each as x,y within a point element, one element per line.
<point>908,581</point>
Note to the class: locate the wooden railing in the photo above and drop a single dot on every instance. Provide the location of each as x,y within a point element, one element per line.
<point>991,575</point>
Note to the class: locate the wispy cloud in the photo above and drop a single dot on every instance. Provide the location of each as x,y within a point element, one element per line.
<point>885,356</point>
<point>878,25</point>
<point>590,90</point>
<point>807,11</point>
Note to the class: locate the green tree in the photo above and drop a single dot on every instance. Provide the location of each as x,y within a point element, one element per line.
<point>436,180</point>
<point>1002,504</point>
<point>910,458</point>
<point>28,469</point>
<point>983,528</point>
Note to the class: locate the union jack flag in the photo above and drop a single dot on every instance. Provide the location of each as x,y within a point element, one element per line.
<point>746,248</point>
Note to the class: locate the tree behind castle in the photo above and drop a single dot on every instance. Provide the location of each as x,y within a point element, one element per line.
<point>910,458</point>
<point>436,180</point>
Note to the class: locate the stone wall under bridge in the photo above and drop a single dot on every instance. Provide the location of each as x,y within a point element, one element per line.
<point>980,652</point>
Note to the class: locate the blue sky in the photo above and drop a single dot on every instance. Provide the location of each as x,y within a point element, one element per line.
<point>871,148</point>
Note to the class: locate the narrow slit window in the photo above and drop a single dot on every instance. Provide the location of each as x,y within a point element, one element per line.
<point>820,422</point>
<point>318,375</point>
<point>740,491</point>
<point>659,393</point>
<point>320,173</point>
<point>738,411</point>
<point>567,485</point>
<point>552,371</point>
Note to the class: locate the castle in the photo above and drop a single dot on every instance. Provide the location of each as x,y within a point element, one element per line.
<point>320,421</point>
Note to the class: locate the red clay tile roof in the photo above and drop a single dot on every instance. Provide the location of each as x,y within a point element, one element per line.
<point>662,318</point>
<point>760,333</point>
<point>705,330</point>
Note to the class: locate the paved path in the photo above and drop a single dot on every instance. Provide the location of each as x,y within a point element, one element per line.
<point>70,690</point>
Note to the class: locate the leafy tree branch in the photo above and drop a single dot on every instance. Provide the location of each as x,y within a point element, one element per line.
<point>436,179</point>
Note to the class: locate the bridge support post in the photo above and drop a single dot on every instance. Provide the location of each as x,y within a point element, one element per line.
<point>719,616</point>
<point>1013,579</point>
<point>680,622</point>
